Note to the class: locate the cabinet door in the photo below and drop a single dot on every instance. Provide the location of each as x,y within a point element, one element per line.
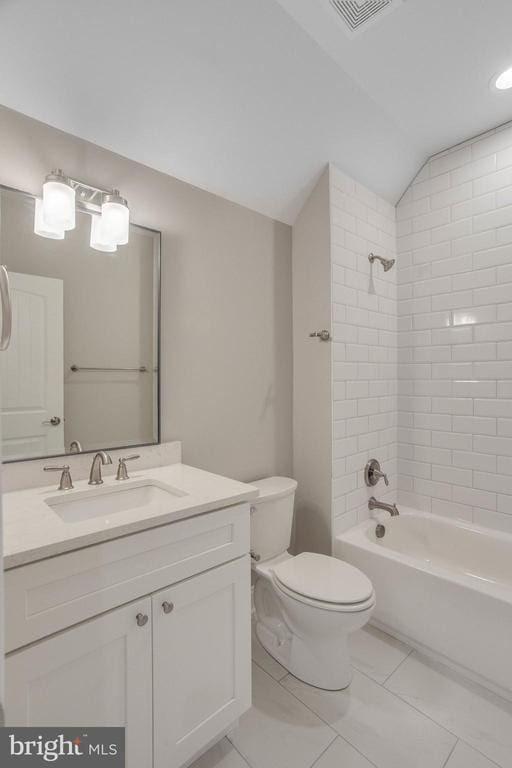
<point>94,674</point>
<point>201,660</point>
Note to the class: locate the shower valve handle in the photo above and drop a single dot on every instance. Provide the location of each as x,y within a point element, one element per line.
<point>373,473</point>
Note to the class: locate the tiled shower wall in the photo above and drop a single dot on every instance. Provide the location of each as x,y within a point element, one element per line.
<point>455,333</point>
<point>364,316</point>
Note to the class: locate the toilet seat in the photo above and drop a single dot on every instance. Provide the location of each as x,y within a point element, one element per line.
<point>324,606</point>
<point>323,582</point>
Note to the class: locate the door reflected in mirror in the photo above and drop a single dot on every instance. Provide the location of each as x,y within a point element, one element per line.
<point>81,372</point>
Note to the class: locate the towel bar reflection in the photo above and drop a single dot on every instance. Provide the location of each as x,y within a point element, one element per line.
<point>140,369</point>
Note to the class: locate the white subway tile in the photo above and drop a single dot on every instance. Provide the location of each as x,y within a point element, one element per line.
<point>453,475</point>
<point>430,253</point>
<point>455,266</point>
<point>504,389</point>
<point>431,186</point>
<point>433,489</point>
<point>474,352</point>
<point>473,243</point>
<point>505,425</point>
<point>471,460</point>
<point>474,206</point>
<point>432,320</point>
<point>474,315</point>
<point>499,446</point>
<point>494,332</point>
<point>474,170</point>
<point>475,425</point>
<point>451,196</point>
<point>493,257</point>
<point>493,482</point>
<point>505,504</point>
<point>496,294</point>
<point>493,219</point>
<point>474,497</point>
<point>456,406</point>
<point>455,300</point>
<point>477,279</point>
<point>460,335</point>
<point>452,509</point>
<point>456,229</point>
<point>492,181</point>
<point>474,388</point>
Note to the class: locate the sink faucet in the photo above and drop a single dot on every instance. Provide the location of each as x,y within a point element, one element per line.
<point>100,459</point>
<point>374,504</point>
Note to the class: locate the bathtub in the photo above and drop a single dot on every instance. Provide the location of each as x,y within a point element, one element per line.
<point>443,586</point>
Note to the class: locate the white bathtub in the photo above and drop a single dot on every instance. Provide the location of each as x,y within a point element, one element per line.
<point>444,586</point>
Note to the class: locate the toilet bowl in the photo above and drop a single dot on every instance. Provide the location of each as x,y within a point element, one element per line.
<point>307,605</point>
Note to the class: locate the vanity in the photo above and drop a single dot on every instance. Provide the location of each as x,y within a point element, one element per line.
<point>128,604</point>
<point>127,594</point>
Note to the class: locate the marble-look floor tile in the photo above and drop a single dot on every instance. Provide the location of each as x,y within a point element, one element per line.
<point>221,755</point>
<point>341,755</point>
<point>375,653</point>
<point>265,660</point>
<point>474,714</point>
<point>464,756</point>
<point>385,729</point>
<point>279,731</point>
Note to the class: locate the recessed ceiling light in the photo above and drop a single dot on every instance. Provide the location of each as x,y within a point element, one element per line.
<point>504,81</point>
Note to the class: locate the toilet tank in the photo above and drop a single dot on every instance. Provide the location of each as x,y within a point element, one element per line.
<point>272,516</point>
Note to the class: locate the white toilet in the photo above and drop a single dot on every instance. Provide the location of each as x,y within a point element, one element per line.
<point>306,606</point>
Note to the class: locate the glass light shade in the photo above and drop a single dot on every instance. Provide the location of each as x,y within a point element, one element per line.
<point>98,241</point>
<point>115,215</point>
<point>504,81</point>
<point>58,205</point>
<point>41,227</point>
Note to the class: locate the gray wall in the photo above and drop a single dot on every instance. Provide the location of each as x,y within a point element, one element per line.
<point>312,409</point>
<point>226,295</point>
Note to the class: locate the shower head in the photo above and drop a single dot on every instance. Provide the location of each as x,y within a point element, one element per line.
<point>386,263</point>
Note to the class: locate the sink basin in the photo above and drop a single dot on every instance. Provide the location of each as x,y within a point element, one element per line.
<point>104,502</point>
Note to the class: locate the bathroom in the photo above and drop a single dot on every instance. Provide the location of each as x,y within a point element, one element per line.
<point>256,383</point>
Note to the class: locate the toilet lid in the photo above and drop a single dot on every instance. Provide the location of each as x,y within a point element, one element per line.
<point>324,578</point>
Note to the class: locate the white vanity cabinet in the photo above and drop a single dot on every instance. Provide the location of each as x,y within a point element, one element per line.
<point>171,663</point>
<point>94,674</point>
<point>201,654</point>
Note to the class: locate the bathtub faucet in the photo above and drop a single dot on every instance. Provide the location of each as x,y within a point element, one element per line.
<point>374,504</point>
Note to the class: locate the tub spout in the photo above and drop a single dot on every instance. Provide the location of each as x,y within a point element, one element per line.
<point>374,504</point>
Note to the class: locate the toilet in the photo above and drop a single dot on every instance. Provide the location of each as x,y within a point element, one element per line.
<point>306,605</point>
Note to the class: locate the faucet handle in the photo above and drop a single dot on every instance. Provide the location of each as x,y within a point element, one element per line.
<point>65,479</point>
<point>373,473</point>
<point>383,475</point>
<point>122,472</point>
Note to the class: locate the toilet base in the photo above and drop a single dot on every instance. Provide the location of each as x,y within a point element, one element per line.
<point>326,668</point>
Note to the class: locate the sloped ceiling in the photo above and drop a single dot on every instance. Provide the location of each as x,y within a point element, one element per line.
<point>250,98</point>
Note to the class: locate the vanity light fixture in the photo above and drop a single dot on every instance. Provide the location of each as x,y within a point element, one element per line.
<point>58,202</point>
<point>98,240</point>
<point>55,212</point>
<point>41,227</point>
<point>503,81</point>
<point>115,218</point>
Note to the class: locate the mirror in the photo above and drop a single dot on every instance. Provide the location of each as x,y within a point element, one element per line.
<point>82,371</point>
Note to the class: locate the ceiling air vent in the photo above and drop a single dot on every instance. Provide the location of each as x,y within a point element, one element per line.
<point>359,14</point>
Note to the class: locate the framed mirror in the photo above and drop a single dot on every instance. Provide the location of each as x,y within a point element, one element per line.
<point>82,369</point>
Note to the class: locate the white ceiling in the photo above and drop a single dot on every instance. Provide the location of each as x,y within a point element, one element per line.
<point>250,98</point>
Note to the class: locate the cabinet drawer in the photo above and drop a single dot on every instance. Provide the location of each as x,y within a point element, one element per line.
<point>47,596</point>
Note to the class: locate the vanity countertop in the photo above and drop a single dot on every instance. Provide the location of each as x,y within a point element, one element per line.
<point>32,530</point>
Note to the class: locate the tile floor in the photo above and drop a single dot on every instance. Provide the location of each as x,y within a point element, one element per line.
<point>401,711</point>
